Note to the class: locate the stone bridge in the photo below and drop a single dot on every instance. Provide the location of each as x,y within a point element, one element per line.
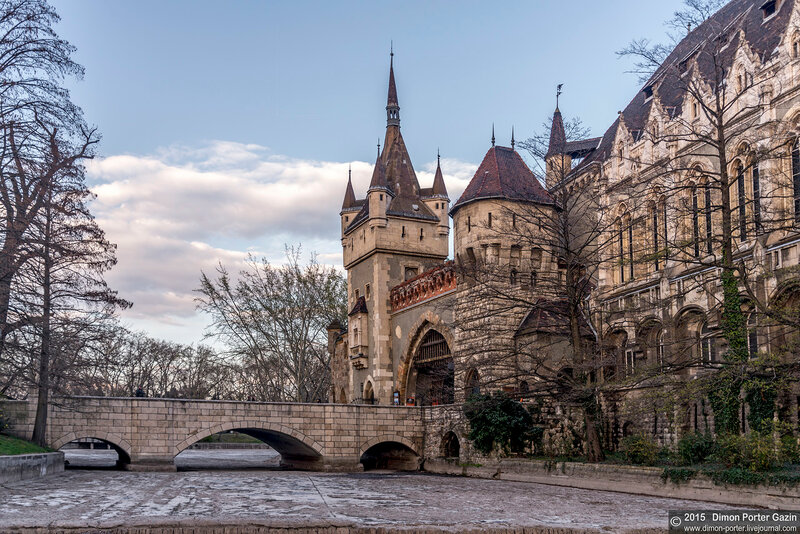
<point>148,433</point>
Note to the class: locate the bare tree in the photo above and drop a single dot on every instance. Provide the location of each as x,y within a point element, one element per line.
<point>273,320</point>
<point>649,56</point>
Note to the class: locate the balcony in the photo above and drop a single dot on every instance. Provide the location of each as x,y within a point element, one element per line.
<point>427,285</point>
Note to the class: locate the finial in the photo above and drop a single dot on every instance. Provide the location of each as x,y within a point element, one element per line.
<point>492,134</point>
<point>379,147</point>
<point>391,48</point>
<point>349,171</point>
<point>558,93</point>
<point>512,137</point>
<point>438,157</point>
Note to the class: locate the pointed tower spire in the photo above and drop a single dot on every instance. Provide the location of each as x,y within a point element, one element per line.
<point>558,138</point>
<point>492,134</point>
<point>392,106</point>
<point>349,195</point>
<point>512,137</point>
<point>438,188</point>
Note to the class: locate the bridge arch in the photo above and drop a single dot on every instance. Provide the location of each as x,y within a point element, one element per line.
<point>291,444</point>
<point>389,451</point>
<point>116,441</point>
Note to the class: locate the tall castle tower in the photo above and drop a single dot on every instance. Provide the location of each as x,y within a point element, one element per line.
<point>397,232</point>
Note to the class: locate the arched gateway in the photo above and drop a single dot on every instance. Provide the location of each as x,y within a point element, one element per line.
<point>431,376</point>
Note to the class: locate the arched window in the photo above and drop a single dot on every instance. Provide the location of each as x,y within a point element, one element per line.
<point>369,394</point>
<point>661,349</point>
<point>796,45</point>
<point>708,347</point>
<point>752,335</point>
<point>513,277</point>
<point>621,250</point>
<point>472,383</point>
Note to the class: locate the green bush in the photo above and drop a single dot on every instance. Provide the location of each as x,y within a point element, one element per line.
<point>753,451</point>
<point>498,422</point>
<point>694,448</point>
<point>640,449</point>
<point>790,450</point>
<point>678,475</point>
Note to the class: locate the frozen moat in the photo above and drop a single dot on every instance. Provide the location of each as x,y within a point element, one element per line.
<point>98,499</point>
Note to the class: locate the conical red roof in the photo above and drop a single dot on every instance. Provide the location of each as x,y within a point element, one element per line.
<point>503,174</point>
<point>558,138</point>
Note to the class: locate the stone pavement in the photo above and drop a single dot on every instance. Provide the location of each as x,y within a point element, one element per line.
<point>103,499</point>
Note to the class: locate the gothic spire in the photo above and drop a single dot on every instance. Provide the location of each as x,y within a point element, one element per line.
<point>558,138</point>
<point>392,107</point>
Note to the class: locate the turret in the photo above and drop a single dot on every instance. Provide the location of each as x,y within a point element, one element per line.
<point>350,207</point>
<point>438,201</point>
<point>378,195</point>
<point>557,160</point>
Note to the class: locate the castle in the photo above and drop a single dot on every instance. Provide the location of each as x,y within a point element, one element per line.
<point>656,173</point>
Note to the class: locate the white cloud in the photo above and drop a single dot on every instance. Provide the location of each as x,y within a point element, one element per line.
<point>183,210</point>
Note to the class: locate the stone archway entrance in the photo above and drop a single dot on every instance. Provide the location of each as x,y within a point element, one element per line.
<point>431,379</point>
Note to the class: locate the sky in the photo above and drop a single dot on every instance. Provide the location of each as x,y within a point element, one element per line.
<point>228,127</point>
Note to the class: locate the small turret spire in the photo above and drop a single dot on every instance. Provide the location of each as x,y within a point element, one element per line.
<point>349,194</point>
<point>492,134</point>
<point>438,180</point>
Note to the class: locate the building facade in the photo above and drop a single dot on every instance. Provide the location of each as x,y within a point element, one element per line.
<point>715,127</point>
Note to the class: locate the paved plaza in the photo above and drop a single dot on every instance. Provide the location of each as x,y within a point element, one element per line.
<point>95,498</point>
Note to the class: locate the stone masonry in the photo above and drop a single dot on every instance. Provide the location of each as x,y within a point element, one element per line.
<point>149,433</point>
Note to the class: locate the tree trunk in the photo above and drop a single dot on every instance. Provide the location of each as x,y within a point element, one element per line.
<point>40,423</point>
<point>594,448</point>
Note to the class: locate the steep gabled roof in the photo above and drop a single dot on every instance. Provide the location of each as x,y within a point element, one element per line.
<point>349,196</point>
<point>503,175</point>
<point>439,188</point>
<point>558,138</point>
<point>717,38</point>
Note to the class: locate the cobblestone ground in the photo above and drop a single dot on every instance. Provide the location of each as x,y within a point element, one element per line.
<point>104,499</point>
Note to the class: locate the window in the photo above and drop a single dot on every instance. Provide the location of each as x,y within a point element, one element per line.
<point>533,278</point>
<point>695,223</point>
<point>752,335</point>
<point>796,178</point>
<point>656,249</point>
<point>664,221</point>
<point>708,347</point>
<point>421,234</point>
<point>742,197</point>
<point>471,255</point>
<point>630,362</point>
<point>513,277</point>
<point>630,247</point>
<point>707,214</point>
<point>410,273</point>
<point>694,110</point>
<point>756,178</point>
<point>661,348</point>
<point>381,196</point>
<point>536,258</point>
<point>346,218</point>
<point>513,220</point>
<point>768,8</point>
<point>489,223</point>
<point>366,291</point>
<point>357,294</point>
<point>403,232</point>
<point>796,45</point>
<point>469,224</point>
<point>621,243</point>
<point>472,383</point>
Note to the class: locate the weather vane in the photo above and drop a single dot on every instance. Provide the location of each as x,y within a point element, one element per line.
<point>558,93</point>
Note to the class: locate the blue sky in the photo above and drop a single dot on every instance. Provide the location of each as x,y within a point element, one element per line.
<point>228,126</point>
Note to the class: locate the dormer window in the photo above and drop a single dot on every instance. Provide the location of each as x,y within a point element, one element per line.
<point>768,8</point>
<point>648,93</point>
